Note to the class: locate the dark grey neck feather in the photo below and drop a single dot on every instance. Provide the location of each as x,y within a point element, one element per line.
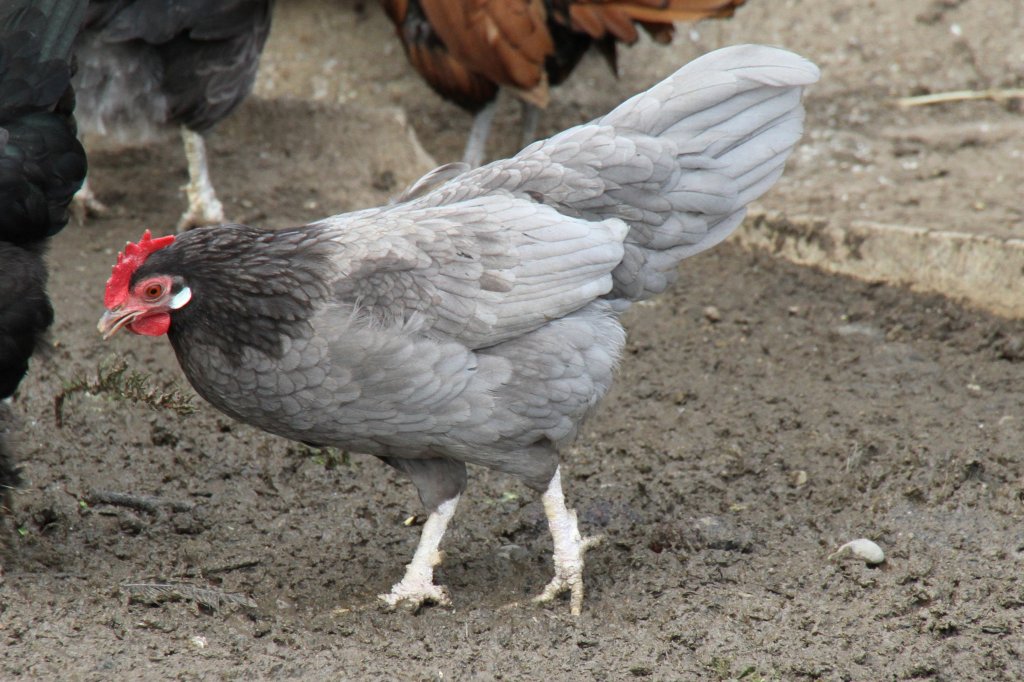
<point>250,288</point>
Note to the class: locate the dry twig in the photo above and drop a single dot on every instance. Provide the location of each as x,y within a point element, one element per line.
<point>211,598</point>
<point>144,503</point>
<point>122,384</point>
<point>233,566</point>
<point>995,94</point>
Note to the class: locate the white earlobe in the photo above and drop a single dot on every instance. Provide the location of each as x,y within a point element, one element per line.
<point>181,298</point>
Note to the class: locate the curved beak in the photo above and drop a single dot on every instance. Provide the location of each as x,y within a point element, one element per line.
<point>113,320</point>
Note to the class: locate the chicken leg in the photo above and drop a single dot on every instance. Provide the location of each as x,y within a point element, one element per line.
<point>476,143</point>
<point>569,547</point>
<point>418,585</point>
<point>203,206</point>
<point>531,117</point>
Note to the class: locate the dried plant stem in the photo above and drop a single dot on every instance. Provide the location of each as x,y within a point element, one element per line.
<point>211,598</point>
<point>995,94</point>
<point>116,380</point>
<point>140,502</point>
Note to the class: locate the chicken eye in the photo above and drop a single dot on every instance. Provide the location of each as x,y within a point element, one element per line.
<point>153,290</point>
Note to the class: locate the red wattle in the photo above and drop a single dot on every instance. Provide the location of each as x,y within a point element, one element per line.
<point>156,324</point>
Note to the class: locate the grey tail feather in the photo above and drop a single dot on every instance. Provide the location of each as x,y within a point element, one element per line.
<point>733,117</point>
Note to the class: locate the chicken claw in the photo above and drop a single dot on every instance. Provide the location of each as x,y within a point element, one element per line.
<point>417,586</point>
<point>570,547</point>
<point>413,594</point>
<point>569,577</point>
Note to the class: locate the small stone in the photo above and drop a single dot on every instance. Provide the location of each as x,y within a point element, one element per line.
<point>512,553</point>
<point>1011,348</point>
<point>860,329</point>
<point>198,641</point>
<point>712,314</point>
<point>716,532</point>
<point>861,548</point>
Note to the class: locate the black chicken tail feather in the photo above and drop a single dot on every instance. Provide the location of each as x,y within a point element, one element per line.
<point>42,163</point>
<point>54,23</point>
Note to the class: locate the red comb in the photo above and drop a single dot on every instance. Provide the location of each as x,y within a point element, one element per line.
<point>128,262</point>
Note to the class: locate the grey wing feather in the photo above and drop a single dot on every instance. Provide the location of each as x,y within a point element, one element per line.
<point>431,180</point>
<point>606,209</point>
<point>479,271</point>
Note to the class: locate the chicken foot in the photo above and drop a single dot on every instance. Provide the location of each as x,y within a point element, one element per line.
<point>204,208</point>
<point>86,204</point>
<point>569,547</point>
<point>417,587</point>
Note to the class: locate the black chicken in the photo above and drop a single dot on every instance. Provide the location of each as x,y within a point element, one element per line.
<point>150,66</point>
<point>42,165</point>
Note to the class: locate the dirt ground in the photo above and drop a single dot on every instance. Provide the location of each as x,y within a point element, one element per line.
<point>740,447</point>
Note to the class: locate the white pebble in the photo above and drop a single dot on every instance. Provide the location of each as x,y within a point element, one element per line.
<point>862,548</point>
<point>198,641</point>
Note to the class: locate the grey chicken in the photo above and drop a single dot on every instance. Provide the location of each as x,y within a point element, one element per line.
<point>475,321</point>
<point>151,66</point>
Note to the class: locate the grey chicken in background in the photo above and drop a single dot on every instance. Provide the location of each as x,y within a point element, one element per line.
<point>475,321</point>
<point>147,67</point>
<point>42,165</point>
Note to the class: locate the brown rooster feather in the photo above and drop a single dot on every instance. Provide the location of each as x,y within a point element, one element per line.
<point>466,49</point>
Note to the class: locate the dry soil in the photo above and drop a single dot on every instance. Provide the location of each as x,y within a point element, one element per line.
<point>742,445</point>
